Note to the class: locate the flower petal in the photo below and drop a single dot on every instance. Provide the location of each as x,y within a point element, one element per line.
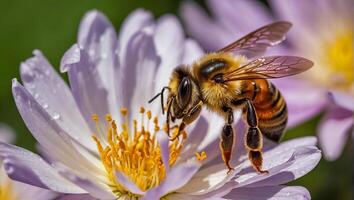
<point>87,88</point>
<point>270,193</point>
<point>203,28</point>
<point>49,134</point>
<point>208,179</point>
<point>76,197</point>
<point>27,167</point>
<point>302,161</point>
<point>334,131</point>
<point>130,186</point>
<point>135,22</point>
<point>169,41</point>
<point>233,14</point>
<point>98,37</point>
<point>140,67</point>
<point>163,140</point>
<point>27,191</point>
<point>175,179</point>
<point>192,51</point>
<point>6,134</point>
<point>54,96</point>
<point>343,100</point>
<point>94,188</point>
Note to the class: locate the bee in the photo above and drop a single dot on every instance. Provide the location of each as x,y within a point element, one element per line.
<point>226,80</point>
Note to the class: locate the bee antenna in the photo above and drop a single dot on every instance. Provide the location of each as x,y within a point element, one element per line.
<point>160,94</point>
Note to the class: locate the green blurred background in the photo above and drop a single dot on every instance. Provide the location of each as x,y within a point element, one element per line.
<point>51,26</point>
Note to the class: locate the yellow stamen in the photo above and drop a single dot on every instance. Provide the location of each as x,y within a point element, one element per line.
<point>334,66</point>
<point>200,156</point>
<point>137,155</point>
<point>95,117</point>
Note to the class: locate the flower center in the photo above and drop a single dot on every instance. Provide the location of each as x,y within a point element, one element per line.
<point>6,190</point>
<point>135,153</point>
<point>338,60</point>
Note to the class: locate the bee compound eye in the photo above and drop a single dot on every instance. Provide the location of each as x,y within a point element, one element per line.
<point>184,92</point>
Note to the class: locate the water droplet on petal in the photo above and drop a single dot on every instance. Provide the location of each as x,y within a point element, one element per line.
<point>55,116</point>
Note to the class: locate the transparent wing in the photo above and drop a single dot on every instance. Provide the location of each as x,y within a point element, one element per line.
<point>259,40</point>
<point>270,67</point>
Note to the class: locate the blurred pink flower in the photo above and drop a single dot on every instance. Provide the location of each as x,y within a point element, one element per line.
<point>12,190</point>
<point>93,158</point>
<point>322,31</point>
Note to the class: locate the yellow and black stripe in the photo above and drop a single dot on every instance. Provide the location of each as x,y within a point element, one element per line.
<point>271,110</point>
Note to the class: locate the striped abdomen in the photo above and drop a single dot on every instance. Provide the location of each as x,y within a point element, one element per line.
<point>271,109</point>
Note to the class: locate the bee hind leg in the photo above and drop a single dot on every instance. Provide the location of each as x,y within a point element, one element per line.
<point>253,139</point>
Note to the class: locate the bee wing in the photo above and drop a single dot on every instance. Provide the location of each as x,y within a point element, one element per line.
<point>270,67</point>
<point>259,40</point>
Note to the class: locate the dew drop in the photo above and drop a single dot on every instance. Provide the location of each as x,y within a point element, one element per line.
<point>45,106</point>
<point>56,116</point>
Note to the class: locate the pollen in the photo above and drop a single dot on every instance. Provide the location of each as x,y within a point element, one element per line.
<point>200,156</point>
<point>136,154</point>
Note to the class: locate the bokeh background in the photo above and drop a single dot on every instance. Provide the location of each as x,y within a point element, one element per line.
<point>51,26</point>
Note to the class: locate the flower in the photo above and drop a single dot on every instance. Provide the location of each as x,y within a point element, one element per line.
<point>100,142</point>
<point>11,190</point>
<point>324,36</point>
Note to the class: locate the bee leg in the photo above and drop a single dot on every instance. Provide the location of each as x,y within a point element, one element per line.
<point>188,118</point>
<point>253,140</point>
<point>169,115</point>
<point>227,139</point>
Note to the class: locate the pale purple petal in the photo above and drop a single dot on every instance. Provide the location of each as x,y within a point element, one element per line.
<point>203,28</point>
<point>48,133</point>
<point>241,16</point>
<point>140,67</point>
<point>192,51</point>
<point>98,38</point>
<point>23,190</point>
<point>87,88</point>
<point>50,91</point>
<point>302,161</point>
<point>342,99</point>
<point>6,134</point>
<point>300,13</point>
<point>175,179</point>
<point>169,42</point>
<point>208,179</point>
<point>301,105</point>
<point>270,193</point>
<point>93,187</point>
<point>136,21</point>
<point>334,131</point>
<point>27,167</point>
<point>76,197</point>
<point>129,185</point>
<point>195,135</point>
<point>164,140</point>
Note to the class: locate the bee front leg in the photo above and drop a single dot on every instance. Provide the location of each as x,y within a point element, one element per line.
<point>188,118</point>
<point>254,140</point>
<point>227,139</point>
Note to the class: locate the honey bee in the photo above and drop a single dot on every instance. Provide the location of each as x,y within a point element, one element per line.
<point>226,80</point>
